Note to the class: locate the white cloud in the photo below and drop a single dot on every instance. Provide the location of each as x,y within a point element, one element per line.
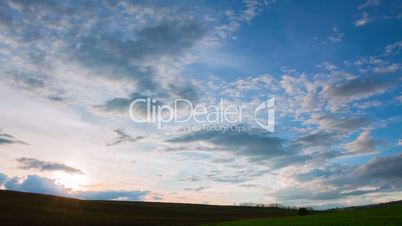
<point>335,123</point>
<point>400,142</point>
<point>368,104</point>
<point>337,36</point>
<point>328,66</point>
<point>387,69</point>
<point>365,19</point>
<point>251,8</point>
<point>363,144</point>
<point>393,49</point>
<point>369,3</point>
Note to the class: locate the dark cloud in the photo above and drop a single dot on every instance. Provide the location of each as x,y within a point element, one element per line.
<point>122,104</point>
<point>381,168</point>
<point>380,174</point>
<point>118,104</point>
<point>31,163</point>
<point>258,148</point>
<point>123,137</point>
<point>56,98</point>
<point>338,123</point>
<point>232,176</point>
<point>235,176</point>
<point>118,58</point>
<point>201,188</point>
<point>9,139</point>
<point>358,88</point>
<point>95,40</point>
<point>168,38</point>
<point>241,143</point>
<point>184,91</point>
<point>37,184</point>
<point>300,193</point>
<point>317,139</point>
<point>28,80</point>
<point>313,174</point>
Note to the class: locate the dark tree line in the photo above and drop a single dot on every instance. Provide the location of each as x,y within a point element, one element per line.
<point>300,210</point>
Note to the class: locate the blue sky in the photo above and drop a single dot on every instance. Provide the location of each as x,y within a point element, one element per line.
<point>70,69</point>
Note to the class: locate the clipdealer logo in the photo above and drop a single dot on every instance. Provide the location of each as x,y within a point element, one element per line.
<point>182,111</point>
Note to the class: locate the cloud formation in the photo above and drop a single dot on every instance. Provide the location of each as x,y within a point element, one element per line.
<point>241,143</point>
<point>92,60</point>
<point>337,123</point>
<point>380,174</point>
<point>123,137</point>
<point>337,36</point>
<point>389,167</point>
<point>6,138</point>
<point>365,19</point>
<point>37,184</point>
<point>31,163</point>
<point>358,88</point>
<point>393,49</point>
<point>363,144</point>
<point>369,3</point>
<point>128,59</point>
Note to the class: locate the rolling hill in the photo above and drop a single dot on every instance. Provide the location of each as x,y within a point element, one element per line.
<point>18,208</point>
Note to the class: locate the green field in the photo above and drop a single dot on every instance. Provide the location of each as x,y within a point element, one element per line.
<point>379,216</point>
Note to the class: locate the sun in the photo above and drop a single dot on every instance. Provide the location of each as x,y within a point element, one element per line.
<point>73,181</point>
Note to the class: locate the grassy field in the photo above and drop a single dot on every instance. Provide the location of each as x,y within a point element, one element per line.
<point>379,216</point>
<point>17,208</point>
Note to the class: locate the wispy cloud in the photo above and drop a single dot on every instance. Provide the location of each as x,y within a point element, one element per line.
<point>251,9</point>
<point>369,3</point>
<point>364,19</point>
<point>123,137</point>
<point>387,69</point>
<point>337,36</point>
<point>31,163</point>
<point>6,138</point>
<point>393,49</point>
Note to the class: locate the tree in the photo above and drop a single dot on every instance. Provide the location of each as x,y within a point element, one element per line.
<point>302,211</point>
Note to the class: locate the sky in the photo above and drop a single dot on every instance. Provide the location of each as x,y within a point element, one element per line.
<point>70,69</point>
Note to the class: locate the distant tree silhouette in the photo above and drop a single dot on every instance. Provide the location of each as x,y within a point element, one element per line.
<point>302,211</point>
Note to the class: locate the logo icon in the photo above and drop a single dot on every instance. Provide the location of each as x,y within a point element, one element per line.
<point>267,110</point>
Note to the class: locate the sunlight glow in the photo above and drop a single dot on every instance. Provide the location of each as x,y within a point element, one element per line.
<point>72,181</point>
